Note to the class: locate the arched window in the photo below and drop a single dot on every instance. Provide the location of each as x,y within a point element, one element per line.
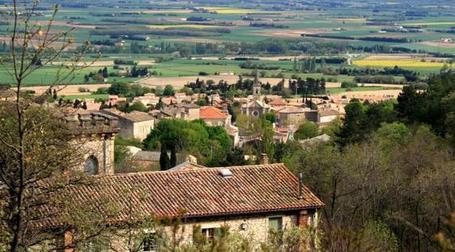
<point>91,165</point>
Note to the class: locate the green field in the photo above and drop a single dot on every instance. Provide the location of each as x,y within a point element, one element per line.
<point>173,33</point>
<point>343,90</point>
<point>84,97</point>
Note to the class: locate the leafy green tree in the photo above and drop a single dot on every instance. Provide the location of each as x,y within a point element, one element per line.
<point>348,84</point>
<point>119,88</point>
<point>210,145</point>
<point>306,130</point>
<point>169,91</point>
<point>362,119</point>
<point>271,117</point>
<point>137,106</point>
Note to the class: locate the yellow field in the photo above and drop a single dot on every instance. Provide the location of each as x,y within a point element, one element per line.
<point>226,10</point>
<point>193,26</point>
<point>401,63</point>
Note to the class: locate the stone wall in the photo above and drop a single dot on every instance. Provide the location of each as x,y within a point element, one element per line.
<point>142,129</point>
<point>288,119</point>
<point>102,148</point>
<point>93,134</point>
<point>256,228</point>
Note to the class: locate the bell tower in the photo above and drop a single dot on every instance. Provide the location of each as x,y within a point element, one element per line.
<point>256,85</point>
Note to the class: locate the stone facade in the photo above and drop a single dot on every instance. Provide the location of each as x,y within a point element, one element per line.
<point>94,134</point>
<point>255,227</point>
<point>134,125</point>
<point>290,116</point>
<point>98,149</point>
<point>255,108</point>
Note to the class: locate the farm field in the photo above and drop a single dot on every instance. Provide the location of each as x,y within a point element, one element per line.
<point>409,64</point>
<point>181,42</point>
<point>68,90</point>
<point>413,62</point>
<point>365,89</point>
<point>85,97</point>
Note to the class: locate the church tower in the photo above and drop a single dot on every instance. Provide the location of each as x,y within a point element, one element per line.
<point>256,85</point>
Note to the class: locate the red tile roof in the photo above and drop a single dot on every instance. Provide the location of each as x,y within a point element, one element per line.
<point>199,192</point>
<point>209,112</point>
<point>278,102</point>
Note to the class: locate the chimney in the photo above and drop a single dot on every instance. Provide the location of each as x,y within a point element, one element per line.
<point>264,159</point>
<point>301,195</point>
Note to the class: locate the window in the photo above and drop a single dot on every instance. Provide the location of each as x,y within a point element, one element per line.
<point>150,243</point>
<point>211,233</point>
<point>91,165</point>
<point>276,224</point>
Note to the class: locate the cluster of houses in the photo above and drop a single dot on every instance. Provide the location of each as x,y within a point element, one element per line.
<point>250,200</point>
<point>289,113</point>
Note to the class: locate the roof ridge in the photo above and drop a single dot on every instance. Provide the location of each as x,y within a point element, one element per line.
<point>200,169</point>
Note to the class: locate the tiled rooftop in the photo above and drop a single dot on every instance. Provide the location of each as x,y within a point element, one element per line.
<point>198,192</point>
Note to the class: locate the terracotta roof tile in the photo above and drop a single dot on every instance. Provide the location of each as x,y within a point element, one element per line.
<point>209,112</point>
<point>278,102</point>
<point>200,192</point>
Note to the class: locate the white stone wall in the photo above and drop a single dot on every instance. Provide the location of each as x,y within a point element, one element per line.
<point>327,119</point>
<point>142,129</point>
<point>193,114</point>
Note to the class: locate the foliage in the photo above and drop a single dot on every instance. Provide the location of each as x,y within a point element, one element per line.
<point>136,106</point>
<point>169,91</point>
<point>126,90</point>
<point>399,177</point>
<point>362,119</point>
<point>209,144</point>
<point>306,130</point>
<point>348,84</point>
<point>445,238</point>
<point>434,106</point>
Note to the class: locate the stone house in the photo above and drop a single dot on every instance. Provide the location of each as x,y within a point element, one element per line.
<point>250,200</point>
<point>147,99</point>
<point>136,125</point>
<point>95,133</point>
<point>323,116</point>
<point>214,117</point>
<point>327,115</point>
<point>290,116</point>
<point>182,97</point>
<point>184,111</point>
<point>115,99</point>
